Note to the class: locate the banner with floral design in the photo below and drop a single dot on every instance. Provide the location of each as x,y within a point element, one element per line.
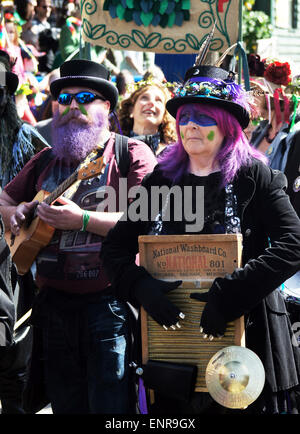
<point>162,26</point>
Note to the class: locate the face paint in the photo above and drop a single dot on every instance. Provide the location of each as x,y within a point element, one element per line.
<point>182,136</point>
<point>191,114</point>
<point>65,111</point>
<point>82,109</point>
<point>211,135</point>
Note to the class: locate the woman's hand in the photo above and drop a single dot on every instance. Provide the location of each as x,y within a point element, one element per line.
<point>212,322</point>
<point>65,217</point>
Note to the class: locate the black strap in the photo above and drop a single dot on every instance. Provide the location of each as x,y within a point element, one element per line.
<point>122,154</point>
<point>121,151</point>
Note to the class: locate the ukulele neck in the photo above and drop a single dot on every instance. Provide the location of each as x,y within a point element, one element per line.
<point>61,188</point>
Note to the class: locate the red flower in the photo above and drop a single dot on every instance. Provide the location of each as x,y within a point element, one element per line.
<point>278,73</point>
<point>8,16</point>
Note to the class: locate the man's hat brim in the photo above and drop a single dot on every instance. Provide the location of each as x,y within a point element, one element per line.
<point>10,80</point>
<point>104,87</point>
<point>239,112</point>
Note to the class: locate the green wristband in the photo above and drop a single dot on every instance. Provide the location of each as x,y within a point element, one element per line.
<point>85,220</point>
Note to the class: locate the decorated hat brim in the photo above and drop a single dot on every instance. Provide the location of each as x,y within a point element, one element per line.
<point>266,86</point>
<point>106,88</point>
<point>239,112</point>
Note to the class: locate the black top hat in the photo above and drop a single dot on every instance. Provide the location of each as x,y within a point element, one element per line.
<point>86,73</point>
<point>211,85</point>
<point>7,78</point>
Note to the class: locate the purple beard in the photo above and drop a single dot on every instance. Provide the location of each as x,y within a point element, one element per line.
<point>75,135</point>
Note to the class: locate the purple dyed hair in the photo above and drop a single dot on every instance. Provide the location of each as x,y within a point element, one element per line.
<point>235,151</point>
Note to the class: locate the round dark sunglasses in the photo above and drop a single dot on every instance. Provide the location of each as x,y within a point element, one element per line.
<point>80,98</point>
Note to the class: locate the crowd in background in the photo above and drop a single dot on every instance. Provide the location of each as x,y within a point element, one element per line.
<point>39,35</point>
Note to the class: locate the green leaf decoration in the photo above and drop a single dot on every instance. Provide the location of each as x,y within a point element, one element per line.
<point>171,20</point>
<point>113,11</point>
<point>171,7</point>
<point>155,8</point>
<point>136,18</point>
<point>161,13</point>
<point>157,15</point>
<point>128,15</point>
<point>192,41</point>
<point>153,40</point>
<point>163,7</point>
<point>139,38</point>
<point>186,15</point>
<point>186,4</point>
<point>164,21</point>
<point>120,11</point>
<point>88,29</point>
<point>179,19</point>
<point>106,5</point>
<point>156,20</point>
<point>98,31</point>
<point>146,18</point>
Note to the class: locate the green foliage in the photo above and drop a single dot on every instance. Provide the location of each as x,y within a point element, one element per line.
<point>256,25</point>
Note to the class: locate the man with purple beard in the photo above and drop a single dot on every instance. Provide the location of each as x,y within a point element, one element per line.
<point>85,329</point>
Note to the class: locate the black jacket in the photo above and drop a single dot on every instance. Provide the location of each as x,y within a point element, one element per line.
<point>292,172</point>
<point>271,254</point>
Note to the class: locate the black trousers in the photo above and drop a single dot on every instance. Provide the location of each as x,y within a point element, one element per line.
<point>14,360</point>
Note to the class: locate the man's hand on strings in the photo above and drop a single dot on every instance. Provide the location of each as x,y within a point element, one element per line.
<point>67,216</point>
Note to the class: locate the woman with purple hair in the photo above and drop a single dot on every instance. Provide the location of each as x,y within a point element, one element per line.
<point>241,195</point>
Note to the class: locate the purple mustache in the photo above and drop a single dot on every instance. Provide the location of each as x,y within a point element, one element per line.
<point>75,135</point>
<point>72,114</point>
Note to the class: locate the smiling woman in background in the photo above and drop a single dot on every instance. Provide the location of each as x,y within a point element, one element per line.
<point>144,114</point>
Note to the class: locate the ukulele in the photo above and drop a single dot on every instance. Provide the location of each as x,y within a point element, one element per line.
<point>35,234</point>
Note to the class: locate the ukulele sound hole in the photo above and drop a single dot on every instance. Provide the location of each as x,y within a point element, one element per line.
<point>30,217</point>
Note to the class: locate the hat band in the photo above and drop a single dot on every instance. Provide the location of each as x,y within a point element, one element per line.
<point>78,76</point>
<point>209,88</point>
<point>208,80</point>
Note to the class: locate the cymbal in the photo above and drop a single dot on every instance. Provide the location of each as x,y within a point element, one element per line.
<point>235,377</point>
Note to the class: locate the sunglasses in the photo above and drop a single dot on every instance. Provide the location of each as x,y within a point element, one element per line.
<point>80,98</point>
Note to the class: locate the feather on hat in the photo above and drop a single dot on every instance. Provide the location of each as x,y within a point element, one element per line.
<point>210,84</point>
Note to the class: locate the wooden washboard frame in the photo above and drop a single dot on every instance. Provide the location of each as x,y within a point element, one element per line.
<point>196,260</point>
